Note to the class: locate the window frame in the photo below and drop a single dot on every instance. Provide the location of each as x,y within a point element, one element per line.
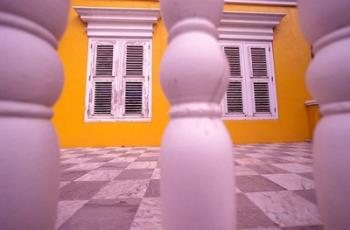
<point>247,82</point>
<point>118,105</point>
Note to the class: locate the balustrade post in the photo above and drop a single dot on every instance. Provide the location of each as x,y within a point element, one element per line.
<point>31,79</point>
<point>326,25</point>
<point>197,181</point>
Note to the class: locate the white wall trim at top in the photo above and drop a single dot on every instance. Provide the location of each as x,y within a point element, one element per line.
<point>118,22</point>
<point>265,2</point>
<point>138,23</point>
<point>237,25</point>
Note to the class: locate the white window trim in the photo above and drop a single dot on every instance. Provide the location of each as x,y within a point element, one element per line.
<point>252,26</point>
<point>248,101</point>
<point>265,2</point>
<point>128,23</point>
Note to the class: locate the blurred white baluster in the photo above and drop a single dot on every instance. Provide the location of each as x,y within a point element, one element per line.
<point>31,79</point>
<point>197,180</point>
<point>326,25</point>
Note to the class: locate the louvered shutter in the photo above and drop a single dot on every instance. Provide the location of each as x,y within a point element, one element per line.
<point>134,63</point>
<point>262,97</point>
<point>234,93</point>
<point>102,100</point>
<point>102,80</point>
<point>135,79</point>
<point>133,97</point>
<point>258,62</point>
<point>104,54</point>
<point>260,79</point>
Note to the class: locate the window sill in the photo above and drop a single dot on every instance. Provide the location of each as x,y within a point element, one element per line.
<point>265,2</point>
<point>106,120</point>
<point>229,118</point>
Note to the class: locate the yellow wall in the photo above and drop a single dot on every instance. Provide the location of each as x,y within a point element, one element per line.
<point>291,55</point>
<point>314,116</point>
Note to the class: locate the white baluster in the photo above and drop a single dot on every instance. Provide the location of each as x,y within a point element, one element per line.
<point>197,181</point>
<point>31,79</point>
<point>326,24</point>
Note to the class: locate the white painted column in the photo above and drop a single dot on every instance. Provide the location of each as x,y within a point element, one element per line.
<point>31,79</point>
<point>197,181</point>
<point>326,25</point>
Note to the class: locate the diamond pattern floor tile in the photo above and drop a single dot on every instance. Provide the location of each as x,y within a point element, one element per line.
<point>119,188</point>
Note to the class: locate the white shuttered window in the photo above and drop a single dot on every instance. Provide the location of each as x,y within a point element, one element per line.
<point>251,89</point>
<point>119,86</point>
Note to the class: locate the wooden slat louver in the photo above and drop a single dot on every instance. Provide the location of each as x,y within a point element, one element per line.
<point>233,57</point>
<point>103,98</point>
<point>104,60</point>
<point>259,65</point>
<point>134,98</point>
<point>234,97</point>
<point>134,60</point>
<point>261,97</point>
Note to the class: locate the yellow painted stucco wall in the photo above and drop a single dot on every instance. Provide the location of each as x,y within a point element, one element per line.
<point>291,56</point>
<point>313,116</point>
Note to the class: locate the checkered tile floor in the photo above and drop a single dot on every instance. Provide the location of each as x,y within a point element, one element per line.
<point>118,188</point>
